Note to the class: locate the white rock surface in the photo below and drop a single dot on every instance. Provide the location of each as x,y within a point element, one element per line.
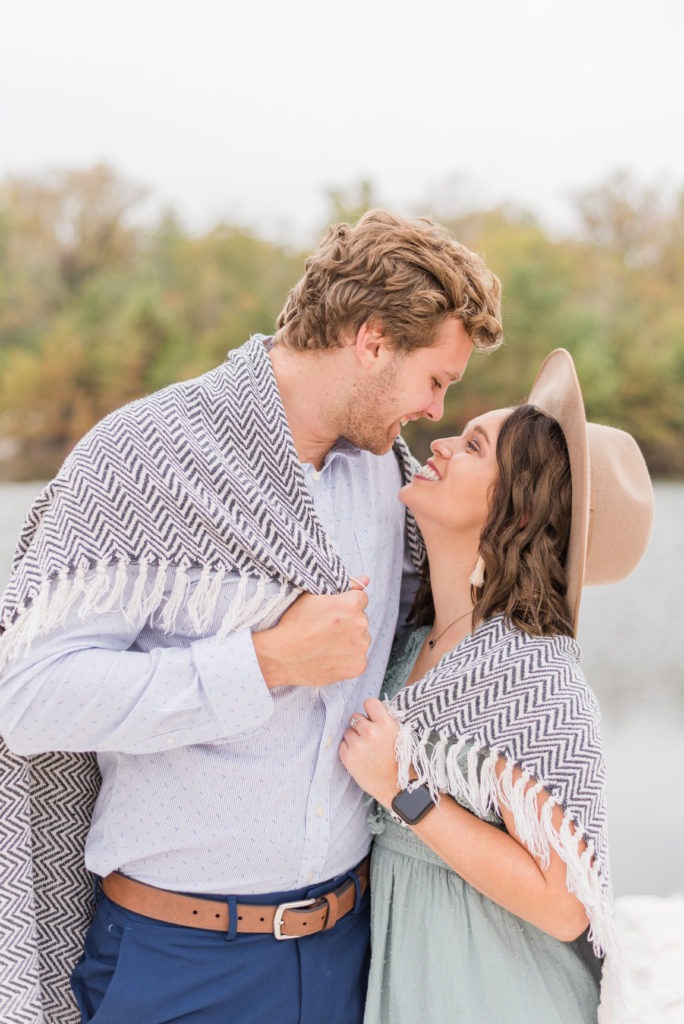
<point>652,936</point>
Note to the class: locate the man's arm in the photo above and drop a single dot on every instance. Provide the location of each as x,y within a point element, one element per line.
<point>82,688</point>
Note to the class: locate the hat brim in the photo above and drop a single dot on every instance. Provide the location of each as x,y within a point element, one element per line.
<point>556,391</point>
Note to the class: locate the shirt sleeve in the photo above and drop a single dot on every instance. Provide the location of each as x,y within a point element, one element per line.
<point>84,688</point>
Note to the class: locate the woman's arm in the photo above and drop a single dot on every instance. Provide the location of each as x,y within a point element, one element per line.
<point>494,862</point>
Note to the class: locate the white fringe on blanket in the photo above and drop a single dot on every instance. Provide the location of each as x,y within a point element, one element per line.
<point>95,591</point>
<point>488,790</point>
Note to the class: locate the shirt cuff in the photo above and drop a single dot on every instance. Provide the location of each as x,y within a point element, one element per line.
<point>230,676</point>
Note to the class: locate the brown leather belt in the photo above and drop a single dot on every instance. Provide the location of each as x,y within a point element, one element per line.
<point>285,921</point>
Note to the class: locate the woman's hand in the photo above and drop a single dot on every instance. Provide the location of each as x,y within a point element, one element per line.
<point>367,751</point>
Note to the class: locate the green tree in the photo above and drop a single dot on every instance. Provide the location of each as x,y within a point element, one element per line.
<point>97,308</point>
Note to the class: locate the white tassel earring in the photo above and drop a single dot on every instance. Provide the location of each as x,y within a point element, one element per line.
<point>477,575</point>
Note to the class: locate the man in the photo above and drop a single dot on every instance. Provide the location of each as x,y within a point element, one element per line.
<point>188,601</point>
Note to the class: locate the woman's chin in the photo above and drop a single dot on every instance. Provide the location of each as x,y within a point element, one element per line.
<point>408,493</point>
<point>403,497</point>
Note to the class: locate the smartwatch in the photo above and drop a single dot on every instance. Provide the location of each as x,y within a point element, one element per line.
<point>413,803</point>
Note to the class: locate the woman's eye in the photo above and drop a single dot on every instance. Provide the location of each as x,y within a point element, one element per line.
<point>473,446</point>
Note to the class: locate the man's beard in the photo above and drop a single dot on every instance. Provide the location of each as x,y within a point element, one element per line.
<point>366,421</point>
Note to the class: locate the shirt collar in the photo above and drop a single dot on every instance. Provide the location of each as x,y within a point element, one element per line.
<point>343,447</point>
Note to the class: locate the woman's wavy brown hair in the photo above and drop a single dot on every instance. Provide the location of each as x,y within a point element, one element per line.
<point>410,275</point>
<point>524,542</point>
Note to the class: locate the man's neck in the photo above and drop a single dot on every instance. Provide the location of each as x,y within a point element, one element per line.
<point>303,380</point>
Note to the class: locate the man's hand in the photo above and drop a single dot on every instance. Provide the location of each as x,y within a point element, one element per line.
<point>319,640</point>
<point>367,751</point>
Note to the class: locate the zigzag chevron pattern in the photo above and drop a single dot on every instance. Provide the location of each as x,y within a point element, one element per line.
<point>19,992</point>
<point>63,792</point>
<point>527,698</point>
<point>201,474</point>
<point>171,479</point>
<point>47,894</point>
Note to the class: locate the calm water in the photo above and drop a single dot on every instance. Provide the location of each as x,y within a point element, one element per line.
<point>633,643</point>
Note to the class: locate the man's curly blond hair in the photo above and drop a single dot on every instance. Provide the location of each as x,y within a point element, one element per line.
<point>409,275</point>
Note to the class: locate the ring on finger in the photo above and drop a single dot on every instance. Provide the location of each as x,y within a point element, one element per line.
<point>354,719</point>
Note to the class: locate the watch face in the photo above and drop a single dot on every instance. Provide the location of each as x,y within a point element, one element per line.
<point>413,804</point>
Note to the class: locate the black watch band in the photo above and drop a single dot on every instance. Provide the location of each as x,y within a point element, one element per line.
<point>413,803</point>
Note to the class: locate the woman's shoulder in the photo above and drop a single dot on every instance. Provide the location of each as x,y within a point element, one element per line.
<point>553,662</point>
<point>526,647</point>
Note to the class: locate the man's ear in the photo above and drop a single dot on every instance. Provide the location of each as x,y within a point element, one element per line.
<point>371,344</point>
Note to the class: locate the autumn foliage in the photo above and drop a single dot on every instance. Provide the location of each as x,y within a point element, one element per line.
<point>98,306</point>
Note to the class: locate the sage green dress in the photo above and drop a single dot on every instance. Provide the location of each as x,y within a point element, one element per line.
<point>442,953</point>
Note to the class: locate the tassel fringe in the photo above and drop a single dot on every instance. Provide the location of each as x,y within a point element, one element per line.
<point>439,769</point>
<point>96,592</point>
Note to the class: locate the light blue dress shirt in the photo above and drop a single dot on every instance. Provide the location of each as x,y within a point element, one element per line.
<point>211,781</point>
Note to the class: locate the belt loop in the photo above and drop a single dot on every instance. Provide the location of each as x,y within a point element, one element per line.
<point>97,889</point>
<point>359,895</point>
<point>232,918</point>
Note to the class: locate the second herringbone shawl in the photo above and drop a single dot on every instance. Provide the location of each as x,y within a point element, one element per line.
<point>523,702</point>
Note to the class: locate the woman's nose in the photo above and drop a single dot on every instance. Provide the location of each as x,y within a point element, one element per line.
<point>441,447</point>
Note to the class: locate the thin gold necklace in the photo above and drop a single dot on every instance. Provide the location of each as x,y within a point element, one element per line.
<point>431,643</point>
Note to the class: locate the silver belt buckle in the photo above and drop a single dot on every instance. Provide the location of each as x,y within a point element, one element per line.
<point>278,917</point>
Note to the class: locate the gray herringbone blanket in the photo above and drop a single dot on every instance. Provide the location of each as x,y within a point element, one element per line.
<point>204,475</point>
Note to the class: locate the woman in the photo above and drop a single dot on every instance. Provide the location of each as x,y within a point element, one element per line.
<point>490,877</point>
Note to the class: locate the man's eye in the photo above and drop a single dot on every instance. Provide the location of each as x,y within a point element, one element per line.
<point>436,383</point>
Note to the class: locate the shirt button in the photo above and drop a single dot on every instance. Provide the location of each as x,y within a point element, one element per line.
<point>170,742</point>
<point>310,877</point>
<point>328,741</point>
<point>315,475</point>
<point>319,811</point>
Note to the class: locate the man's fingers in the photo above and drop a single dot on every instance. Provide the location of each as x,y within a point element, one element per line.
<point>359,598</point>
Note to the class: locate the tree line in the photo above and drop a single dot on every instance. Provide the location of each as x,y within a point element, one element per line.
<point>98,306</point>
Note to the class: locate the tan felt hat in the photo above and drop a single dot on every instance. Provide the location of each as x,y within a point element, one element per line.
<point>612,494</point>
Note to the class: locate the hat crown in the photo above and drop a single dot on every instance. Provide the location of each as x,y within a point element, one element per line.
<point>620,505</point>
<point>612,493</point>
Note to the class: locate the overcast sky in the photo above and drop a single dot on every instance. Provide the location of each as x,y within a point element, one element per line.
<point>250,111</point>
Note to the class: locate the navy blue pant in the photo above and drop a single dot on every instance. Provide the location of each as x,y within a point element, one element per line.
<point>135,970</point>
